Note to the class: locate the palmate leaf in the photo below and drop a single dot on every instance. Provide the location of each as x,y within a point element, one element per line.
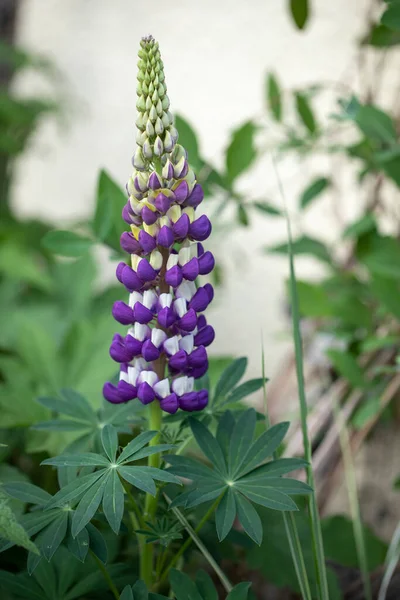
<point>240,475</point>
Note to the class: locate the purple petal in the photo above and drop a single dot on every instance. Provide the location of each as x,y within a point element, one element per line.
<point>206,263</point>
<point>146,271</point>
<point>178,361</point>
<point>210,291</point>
<point>162,203</point>
<point>189,321</point>
<point>120,267</point>
<point>166,317</point>
<point>145,393</point>
<point>142,314</point>
<point>191,269</point>
<point>200,229</point>
<point>129,243</point>
<point>165,237</point>
<point>130,279</point>
<point>196,196</point>
<point>150,351</point>
<point>111,394</point>
<point>122,313</point>
<point>181,191</point>
<point>154,181</point>
<point>198,357</point>
<point>199,371</point>
<point>119,351</point>
<point>133,345</point>
<point>170,404</point>
<point>200,300</point>
<point>202,399</point>
<point>126,390</point>
<point>174,276</point>
<point>149,216</point>
<point>147,242</point>
<point>127,215</point>
<point>201,322</point>
<point>181,227</point>
<point>205,336</point>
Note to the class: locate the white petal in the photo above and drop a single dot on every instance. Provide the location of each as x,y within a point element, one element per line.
<point>149,299</point>
<point>123,376</point>
<point>171,345</point>
<point>158,336</point>
<point>165,300</point>
<point>140,364</point>
<point>190,384</point>
<point>184,256</point>
<point>135,297</point>
<point>135,260</point>
<point>132,375</point>
<point>147,377</point>
<point>172,261</point>
<point>139,332</point>
<point>180,307</point>
<point>186,290</point>
<point>180,385</point>
<point>174,213</point>
<point>162,388</point>
<point>187,343</point>
<point>156,260</point>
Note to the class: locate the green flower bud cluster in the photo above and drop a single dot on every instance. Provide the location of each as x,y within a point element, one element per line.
<point>156,133</point>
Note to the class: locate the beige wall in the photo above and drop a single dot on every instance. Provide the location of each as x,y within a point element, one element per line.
<point>215,55</point>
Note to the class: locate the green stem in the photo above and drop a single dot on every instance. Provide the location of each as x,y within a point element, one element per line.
<point>315,523</point>
<point>147,554</point>
<point>288,518</point>
<point>106,576</point>
<point>353,500</point>
<point>195,538</point>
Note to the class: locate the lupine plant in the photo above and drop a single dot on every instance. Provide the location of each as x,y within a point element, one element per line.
<point>132,483</point>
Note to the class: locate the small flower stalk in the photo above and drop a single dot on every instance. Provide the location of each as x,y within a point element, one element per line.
<point>164,351</point>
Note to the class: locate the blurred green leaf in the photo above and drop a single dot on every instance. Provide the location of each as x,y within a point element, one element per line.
<point>375,124</point>
<point>363,225</point>
<point>242,215</point>
<point>107,224</point>
<point>381,36</point>
<point>266,207</point>
<point>188,139</point>
<point>241,151</point>
<point>367,411</point>
<point>304,245</point>
<point>66,243</point>
<point>274,96</point>
<point>300,11</point>
<point>305,112</point>
<point>314,300</point>
<point>312,191</point>
<point>391,17</point>
<point>348,367</point>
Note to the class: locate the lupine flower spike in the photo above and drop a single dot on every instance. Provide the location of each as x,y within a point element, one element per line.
<point>164,350</point>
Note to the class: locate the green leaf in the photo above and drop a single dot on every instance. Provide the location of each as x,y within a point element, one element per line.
<point>127,593</point>
<point>66,243</point>
<point>264,446</point>
<point>391,17</point>
<point>188,139</point>
<point>239,592</point>
<point>249,518</point>
<point>26,492</point>
<point>381,36</point>
<point>21,585</point>
<point>160,475</point>
<point>376,124</point>
<point>113,501</point>
<point>225,514</point>
<point>314,300</point>
<point>97,543</point>
<point>51,537</point>
<point>274,97</point>
<point>242,215</point>
<point>241,152</point>
<point>140,479</point>
<point>268,208</point>
<point>241,440</point>
<point>387,292</point>
<point>78,404</point>
<point>347,366</point>
<point>205,586</point>
<point>304,245</point>
<point>149,450</point>
<point>300,11</point>
<point>140,590</point>
<point>258,482</point>
<point>208,445</point>
<point>135,445</point>
<point>109,203</point>
<point>85,459</point>
<point>88,506</point>
<point>281,466</point>
<point>304,111</point>
<point>207,492</point>
<point>184,466</point>
<point>183,586</point>
<point>109,440</point>
<point>60,425</point>
<point>364,225</point>
<point>268,497</point>
<point>245,389</point>
<point>314,190</point>
<point>229,378</point>
<point>226,425</point>
<point>74,489</point>
<point>367,411</point>
<point>10,529</point>
<point>79,545</point>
